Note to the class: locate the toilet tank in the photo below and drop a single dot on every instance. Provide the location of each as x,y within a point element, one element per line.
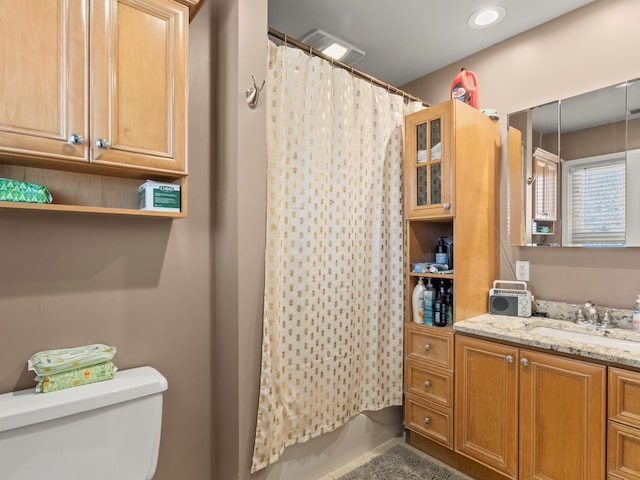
<point>103,431</point>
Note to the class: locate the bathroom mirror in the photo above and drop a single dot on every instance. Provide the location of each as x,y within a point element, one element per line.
<point>569,177</point>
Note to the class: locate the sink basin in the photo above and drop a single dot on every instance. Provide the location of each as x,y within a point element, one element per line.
<point>591,338</point>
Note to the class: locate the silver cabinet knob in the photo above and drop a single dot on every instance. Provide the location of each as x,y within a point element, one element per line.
<point>524,362</point>
<point>427,347</point>
<point>509,358</point>
<point>103,144</point>
<point>76,139</point>
<point>427,384</point>
<point>427,421</point>
<point>446,205</point>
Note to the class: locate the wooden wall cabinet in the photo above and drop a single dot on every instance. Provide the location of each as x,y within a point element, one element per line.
<point>450,174</point>
<point>545,171</point>
<point>528,414</point>
<point>100,90</point>
<point>466,173</point>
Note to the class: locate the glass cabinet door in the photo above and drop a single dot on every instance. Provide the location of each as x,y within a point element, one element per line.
<point>426,166</point>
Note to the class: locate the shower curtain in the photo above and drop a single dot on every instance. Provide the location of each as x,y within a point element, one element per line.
<point>333,302</point>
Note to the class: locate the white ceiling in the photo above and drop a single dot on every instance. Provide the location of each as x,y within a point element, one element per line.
<point>406,39</point>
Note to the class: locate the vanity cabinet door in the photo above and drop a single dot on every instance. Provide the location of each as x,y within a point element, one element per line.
<point>487,403</point>
<point>562,418</point>
<point>623,457</point>
<point>43,62</point>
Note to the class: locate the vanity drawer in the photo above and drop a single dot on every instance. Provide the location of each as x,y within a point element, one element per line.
<point>430,421</point>
<point>624,396</point>
<point>625,442</point>
<point>430,383</point>
<point>428,344</point>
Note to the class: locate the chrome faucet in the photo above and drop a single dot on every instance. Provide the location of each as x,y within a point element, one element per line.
<point>587,314</point>
<point>590,313</point>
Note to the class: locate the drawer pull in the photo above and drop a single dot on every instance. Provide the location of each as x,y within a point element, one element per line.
<point>427,347</point>
<point>426,421</point>
<point>509,358</point>
<point>427,384</point>
<point>524,362</point>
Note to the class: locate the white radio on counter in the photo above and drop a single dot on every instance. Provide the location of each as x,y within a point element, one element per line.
<point>515,302</point>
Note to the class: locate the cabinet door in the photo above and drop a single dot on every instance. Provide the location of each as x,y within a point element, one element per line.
<point>429,163</point>
<point>562,418</point>
<point>43,64</point>
<point>487,403</point>
<point>138,84</point>
<point>546,189</point>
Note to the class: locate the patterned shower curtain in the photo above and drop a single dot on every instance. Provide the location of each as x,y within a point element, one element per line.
<point>333,304</point>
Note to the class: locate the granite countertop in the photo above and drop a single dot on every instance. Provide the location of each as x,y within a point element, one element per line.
<point>518,330</point>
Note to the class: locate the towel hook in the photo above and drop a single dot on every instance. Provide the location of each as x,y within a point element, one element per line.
<point>253,94</point>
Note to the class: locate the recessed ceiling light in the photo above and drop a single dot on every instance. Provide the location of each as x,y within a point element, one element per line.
<point>487,17</point>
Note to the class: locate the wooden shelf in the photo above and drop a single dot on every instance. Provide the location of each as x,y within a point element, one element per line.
<point>86,193</point>
<point>53,207</point>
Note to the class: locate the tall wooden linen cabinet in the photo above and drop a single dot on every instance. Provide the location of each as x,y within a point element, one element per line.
<point>451,170</point>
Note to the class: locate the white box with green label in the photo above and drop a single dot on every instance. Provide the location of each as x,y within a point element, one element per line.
<point>159,197</point>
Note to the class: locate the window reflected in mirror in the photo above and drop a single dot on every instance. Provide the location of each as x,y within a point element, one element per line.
<point>578,158</point>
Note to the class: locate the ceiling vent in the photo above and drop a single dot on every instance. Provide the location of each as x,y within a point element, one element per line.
<point>330,44</point>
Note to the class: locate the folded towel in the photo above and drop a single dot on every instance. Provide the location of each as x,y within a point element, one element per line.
<point>73,378</point>
<point>62,360</point>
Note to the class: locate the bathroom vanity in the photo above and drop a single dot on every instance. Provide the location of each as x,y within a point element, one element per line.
<point>546,398</point>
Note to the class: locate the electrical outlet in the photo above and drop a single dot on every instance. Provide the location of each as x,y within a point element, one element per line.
<point>522,270</point>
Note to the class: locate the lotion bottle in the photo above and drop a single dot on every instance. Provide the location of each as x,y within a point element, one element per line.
<point>417,298</point>
<point>429,297</point>
<point>636,315</point>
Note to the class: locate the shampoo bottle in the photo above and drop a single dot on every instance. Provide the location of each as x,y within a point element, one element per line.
<point>418,292</point>
<point>439,312</point>
<point>441,253</point>
<point>427,303</point>
<point>636,314</point>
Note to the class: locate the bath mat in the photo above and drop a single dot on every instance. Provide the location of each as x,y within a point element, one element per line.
<point>400,463</point>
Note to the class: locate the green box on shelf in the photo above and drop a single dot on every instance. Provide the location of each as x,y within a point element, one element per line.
<point>159,197</point>
<point>25,192</point>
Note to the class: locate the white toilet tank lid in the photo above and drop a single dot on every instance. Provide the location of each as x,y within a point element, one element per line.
<point>26,407</point>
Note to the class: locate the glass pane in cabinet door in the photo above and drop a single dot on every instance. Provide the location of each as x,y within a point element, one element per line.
<point>421,177</point>
<point>436,139</point>
<point>436,184</point>
<point>422,186</point>
<point>421,142</point>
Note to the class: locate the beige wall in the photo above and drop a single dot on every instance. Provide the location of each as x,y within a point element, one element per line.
<point>186,296</point>
<point>238,232</point>
<point>143,285</point>
<point>593,47</point>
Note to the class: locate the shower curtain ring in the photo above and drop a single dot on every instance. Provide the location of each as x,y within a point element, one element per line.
<point>253,94</point>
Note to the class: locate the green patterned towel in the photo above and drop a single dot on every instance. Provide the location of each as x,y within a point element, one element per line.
<point>16,191</point>
<point>75,377</point>
<point>61,360</point>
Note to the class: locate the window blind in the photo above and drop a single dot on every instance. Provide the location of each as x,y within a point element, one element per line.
<point>596,195</point>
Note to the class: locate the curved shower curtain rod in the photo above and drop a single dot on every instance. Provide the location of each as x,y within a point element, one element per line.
<point>358,73</point>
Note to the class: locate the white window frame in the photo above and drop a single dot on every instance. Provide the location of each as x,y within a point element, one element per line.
<point>602,239</point>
